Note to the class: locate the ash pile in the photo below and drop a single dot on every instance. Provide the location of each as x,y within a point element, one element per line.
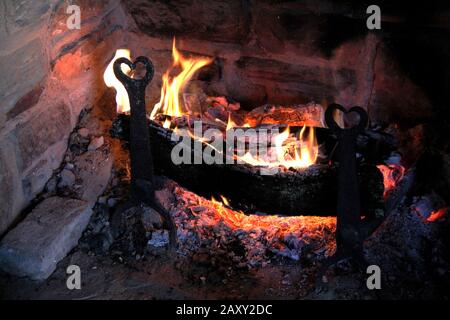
<point>212,230</point>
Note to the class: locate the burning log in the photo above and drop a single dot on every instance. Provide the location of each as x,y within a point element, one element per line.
<point>309,191</point>
<point>296,115</point>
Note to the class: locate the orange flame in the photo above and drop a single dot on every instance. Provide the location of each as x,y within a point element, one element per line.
<point>230,123</point>
<point>300,153</point>
<point>169,103</point>
<point>122,101</point>
<point>239,220</point>
<point>167,124</point>
<point>225,200</point>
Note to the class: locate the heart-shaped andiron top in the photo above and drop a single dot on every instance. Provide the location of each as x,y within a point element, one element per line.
<point>126,80</point>
<point>331,123</point>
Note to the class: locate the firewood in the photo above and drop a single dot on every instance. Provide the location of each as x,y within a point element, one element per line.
<point>310,191</point>
<point>296,115</point>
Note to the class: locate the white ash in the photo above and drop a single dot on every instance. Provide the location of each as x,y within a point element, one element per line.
<point>159,239</point>
<point>204,224</point>
<point>67,179</point>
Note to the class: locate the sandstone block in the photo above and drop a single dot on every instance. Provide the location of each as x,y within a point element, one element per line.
<point>47,234</point>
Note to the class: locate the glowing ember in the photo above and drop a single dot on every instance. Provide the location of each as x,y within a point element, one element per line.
<point>169,103</point>
<point>201,222</point>
<point>437,214</point>
<point>123,104</point>
<point>238,220</point>
<point>392,174</point>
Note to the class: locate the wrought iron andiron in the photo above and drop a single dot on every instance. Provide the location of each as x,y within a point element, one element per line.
<point>349,237</point>
<point>142,182</point>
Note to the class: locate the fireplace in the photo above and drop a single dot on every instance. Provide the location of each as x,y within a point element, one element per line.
<point>225,141</point>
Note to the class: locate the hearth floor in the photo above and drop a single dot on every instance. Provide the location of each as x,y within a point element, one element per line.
<point>156,276</point>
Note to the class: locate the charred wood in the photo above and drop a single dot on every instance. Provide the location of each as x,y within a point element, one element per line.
<point>311,191</point>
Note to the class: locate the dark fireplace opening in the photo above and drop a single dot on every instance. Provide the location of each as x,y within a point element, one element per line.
<point>224,150</point>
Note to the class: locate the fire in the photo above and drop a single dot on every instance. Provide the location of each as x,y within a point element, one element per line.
<point>169,103</point>
<point>167,124</point>
<point>300,153</point>
<point>392,174</point>
<point>230,123</point>
<point>437,214</point>
<point>239,220</point>
<point>305,149</point>
<point>286,150</point>
<point>225,200</point>
<point>123,103</point>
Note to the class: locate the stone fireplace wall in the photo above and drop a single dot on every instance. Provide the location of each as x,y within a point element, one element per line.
<point>265,51</point>
<point>49,74</point>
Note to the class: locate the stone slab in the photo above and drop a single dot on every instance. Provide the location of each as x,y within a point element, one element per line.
<point>47,234</point>
<point>38,134</point>
<point>94,170</point>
